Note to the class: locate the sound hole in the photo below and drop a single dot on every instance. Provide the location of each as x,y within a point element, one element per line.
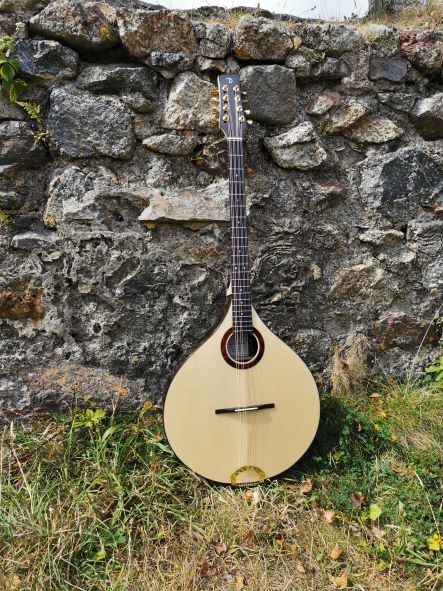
<point>243,350</point>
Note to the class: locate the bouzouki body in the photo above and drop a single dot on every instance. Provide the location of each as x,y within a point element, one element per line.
<point>243,407</point>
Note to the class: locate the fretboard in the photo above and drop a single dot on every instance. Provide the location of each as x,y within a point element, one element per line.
<point>241,292</point>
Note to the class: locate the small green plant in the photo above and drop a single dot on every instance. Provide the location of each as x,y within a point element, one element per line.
<point>437,371</point>
<point>11,83</point>
<point>90,418</point>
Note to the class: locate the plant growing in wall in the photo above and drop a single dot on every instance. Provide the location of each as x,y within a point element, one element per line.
<point>11,84</point>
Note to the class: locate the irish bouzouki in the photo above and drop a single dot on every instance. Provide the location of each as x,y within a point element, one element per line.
<point>243,407</point>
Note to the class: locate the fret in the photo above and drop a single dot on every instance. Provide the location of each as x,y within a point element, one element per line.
<point>241,298</point>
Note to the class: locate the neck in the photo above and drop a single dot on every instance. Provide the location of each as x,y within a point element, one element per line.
<point>241,291</point>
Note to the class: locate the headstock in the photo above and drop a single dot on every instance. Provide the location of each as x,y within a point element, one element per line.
<point>232,118</point>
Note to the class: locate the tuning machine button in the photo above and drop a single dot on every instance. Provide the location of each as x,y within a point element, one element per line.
<point>213,121</point>
<point>225,107</point>
<point>225,98</point>
<point>249,121</point>
<point>214,92</point>
<point>225,117</point>
<point>225,88</point>
<point>215,111</point>
<point>247,112</point>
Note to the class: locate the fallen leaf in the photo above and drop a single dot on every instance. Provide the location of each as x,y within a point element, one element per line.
<point>336,552</point>
<point>220,548</point>
<point>239,582</point>
<point>249,495</point>
<point>197,536</point>
<point>256,496</point>
<point>379,533</point>
<point>278,539</point>
<point>375,395</point>
<point>435,543</point>
<point>249,537</point>
<point>340,582</point>
<point>374,512</point>
<point>207,570</point>
<point>300,567</point>
<point>358,499</point>
<point>291,548</point>
<point>329,515</point>
<point>305,487</point>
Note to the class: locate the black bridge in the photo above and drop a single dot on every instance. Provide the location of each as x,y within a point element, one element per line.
<point>220,411</point>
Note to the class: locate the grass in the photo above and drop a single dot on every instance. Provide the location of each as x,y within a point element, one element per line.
<point>97,502</point>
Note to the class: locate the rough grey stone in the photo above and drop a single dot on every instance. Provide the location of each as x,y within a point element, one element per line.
<point>427,116</point>
<point>383,40</point>
<point>399,101</point>
<point>424,50</point>
<point>426,238</point>
<point>84,25</point>
<point>381,237</point>
<point>319,104</point>
<point>210,204</point>
<point>399,183</point>
<point>373,129</point>
<point>9,200</point>
<point>216,42</point>
<point>189,103</point>
<point>331,69</point>
<point>138,102</point>
<point>261,39</point>
<point>16,5</point>
<point>300,63</point>
<point>173,144</point>
<point>296,148</point>
<point>83,125</point>
<point>144,31</point>
<point>88,195</point>
<point>45,60</point>
<point>19,147</point>
<point>31,240</point>
<point>276,100</point>
<point>9,110</point>
<point>345,116</point>
<point>333,39</point>
<point>169,64</point>
<point>205,64</point>
<point>115,78</point>
<point>393,69</point>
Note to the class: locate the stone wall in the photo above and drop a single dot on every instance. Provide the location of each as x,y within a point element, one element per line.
<point>344,181</point>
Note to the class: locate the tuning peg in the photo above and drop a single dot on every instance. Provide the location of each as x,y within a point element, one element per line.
<point>214,92</point>
<point>215,111</point>
<point>244,93</point>
<point>213,121</point>
<point>247,112</point>
<point>249,121</point>
<point>214,100</point>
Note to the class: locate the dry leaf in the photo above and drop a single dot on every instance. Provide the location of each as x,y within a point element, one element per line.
<point>340,582</point>
<point>256,496</point>
<point>207,570</point>
<point>239,582</point>
<point>197,536</point>
<point>300,567</point>
<point>329,515</point>
<point>375,395</point>
<point>305,487</point>
<point>291,548</point>
<point>278,539</point>
<point>336,552</point>
<point>358,499</point>
<point>249,495</point>
<point>220,548</point>
<point>248,537</point>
